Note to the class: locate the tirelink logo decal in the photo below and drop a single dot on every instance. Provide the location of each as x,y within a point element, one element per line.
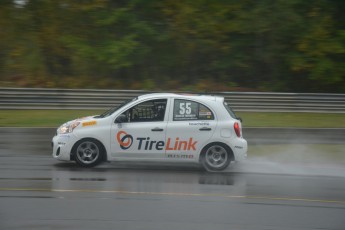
<point>125,141</point>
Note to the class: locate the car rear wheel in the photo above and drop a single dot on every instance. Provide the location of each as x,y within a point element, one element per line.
<point>88,153</point>
<point>216,157</point>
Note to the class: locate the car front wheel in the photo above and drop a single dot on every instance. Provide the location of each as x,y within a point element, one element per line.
<point>88,153</point>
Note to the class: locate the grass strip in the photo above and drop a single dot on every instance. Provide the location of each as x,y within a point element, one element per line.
<point>40,118</point>
<point>54,118</point>
<point>298,120</point>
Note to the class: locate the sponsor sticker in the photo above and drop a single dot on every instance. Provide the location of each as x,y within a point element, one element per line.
<point>199,123</point>
<point>89,123</point>
<point>126,140</point>
<point>181,156</point>
<point>205,113</point>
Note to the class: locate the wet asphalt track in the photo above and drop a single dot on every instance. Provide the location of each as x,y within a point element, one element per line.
<point>37,192</point>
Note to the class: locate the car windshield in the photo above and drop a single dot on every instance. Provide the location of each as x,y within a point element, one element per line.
<point>228,108</point>
<point>112,110</point>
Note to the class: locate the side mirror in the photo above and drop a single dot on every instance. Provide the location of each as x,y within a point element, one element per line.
<point>121,118</point>
<point>240,119</point>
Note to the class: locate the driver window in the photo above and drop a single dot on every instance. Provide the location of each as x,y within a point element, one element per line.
<point>148,111</point>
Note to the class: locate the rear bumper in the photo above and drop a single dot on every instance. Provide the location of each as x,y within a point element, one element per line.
<point>240,149</point>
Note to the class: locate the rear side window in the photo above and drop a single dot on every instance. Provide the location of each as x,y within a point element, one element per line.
<point>228,108</point>
<point>190,110</point>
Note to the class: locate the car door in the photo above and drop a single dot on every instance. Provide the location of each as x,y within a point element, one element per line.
<point>190,127</point>
<point>142,134</point>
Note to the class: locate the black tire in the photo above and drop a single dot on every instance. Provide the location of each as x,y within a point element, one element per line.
<point>88,152</point>
<point>216,157</point>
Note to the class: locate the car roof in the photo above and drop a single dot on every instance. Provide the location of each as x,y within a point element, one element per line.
<point>182,95</point>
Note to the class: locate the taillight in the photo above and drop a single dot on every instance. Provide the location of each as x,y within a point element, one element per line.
<point>237,129</point>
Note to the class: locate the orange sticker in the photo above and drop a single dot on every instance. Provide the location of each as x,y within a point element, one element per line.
<point>89,123</point>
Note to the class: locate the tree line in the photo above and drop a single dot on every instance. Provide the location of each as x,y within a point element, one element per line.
<point>195,45</point>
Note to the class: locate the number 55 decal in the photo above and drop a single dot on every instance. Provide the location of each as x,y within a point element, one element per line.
<point>185,108</point>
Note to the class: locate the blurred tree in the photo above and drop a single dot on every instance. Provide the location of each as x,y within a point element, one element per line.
<point>278,45</point>
<point>320,48</point>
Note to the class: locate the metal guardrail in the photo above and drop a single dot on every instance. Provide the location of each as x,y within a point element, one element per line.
<point>37,98</point>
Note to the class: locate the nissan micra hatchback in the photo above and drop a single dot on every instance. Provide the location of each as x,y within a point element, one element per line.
<point>156,127</point>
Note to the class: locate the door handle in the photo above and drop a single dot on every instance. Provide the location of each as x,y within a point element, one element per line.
<point>205,129</point>
<point>157,130</point>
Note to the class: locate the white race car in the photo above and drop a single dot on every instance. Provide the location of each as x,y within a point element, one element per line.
<point>156,127</point>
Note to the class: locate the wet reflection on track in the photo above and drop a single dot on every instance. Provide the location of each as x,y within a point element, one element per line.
<point>38,192</point>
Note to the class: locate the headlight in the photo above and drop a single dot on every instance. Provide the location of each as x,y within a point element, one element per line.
<point>68,128</point>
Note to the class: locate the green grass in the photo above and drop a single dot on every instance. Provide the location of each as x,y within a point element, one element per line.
<point>54,118</point>
<point>40,118</point>
<point>300,120</point>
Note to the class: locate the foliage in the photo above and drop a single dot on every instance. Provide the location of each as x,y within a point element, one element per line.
<point>199,45</point>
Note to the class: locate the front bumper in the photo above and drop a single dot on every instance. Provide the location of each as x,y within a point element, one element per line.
<point>62,146</point>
